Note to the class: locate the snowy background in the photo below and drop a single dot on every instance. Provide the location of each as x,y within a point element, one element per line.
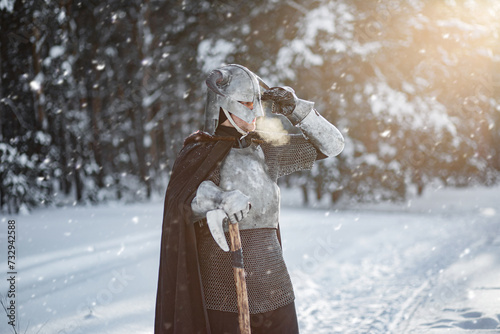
<point>399,233</point>
<point>430,265</point>
<point>97,97</point>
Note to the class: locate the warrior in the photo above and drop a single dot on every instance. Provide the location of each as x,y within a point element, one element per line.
<point>233,167</point>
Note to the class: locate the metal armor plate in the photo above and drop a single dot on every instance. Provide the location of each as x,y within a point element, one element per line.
<point>245,169</point>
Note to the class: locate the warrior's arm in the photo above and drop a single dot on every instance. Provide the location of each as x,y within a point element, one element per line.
<point>321,133</point>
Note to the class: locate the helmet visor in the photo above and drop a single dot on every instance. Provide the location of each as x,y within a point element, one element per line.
<point>236,108</point>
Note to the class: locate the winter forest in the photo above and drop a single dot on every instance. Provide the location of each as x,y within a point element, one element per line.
<point>96,97</point>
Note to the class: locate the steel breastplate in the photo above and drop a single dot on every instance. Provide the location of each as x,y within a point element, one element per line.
<point>245,169</point>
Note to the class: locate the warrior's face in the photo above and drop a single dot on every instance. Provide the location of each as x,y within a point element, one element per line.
<point>245,126</point>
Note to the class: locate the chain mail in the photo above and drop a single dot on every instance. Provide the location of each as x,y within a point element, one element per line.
<point>298,154</point>
<point>268,283</point>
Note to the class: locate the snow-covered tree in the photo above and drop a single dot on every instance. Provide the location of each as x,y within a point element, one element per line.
<point>96,97</point>
<point>413,108</point>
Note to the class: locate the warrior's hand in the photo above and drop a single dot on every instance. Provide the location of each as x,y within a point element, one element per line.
<point>210,197</point>
<point>236,205</point>
<point>218,206</point>
<point>284,99</point>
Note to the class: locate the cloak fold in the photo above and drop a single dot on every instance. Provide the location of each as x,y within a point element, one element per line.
<point>180,305</point>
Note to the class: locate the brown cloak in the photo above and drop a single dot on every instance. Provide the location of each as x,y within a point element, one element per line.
<point>180,305</point>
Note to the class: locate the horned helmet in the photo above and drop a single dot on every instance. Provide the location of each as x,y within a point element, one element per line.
<point>227,87</point>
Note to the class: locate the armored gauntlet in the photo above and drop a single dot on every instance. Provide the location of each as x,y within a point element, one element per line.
<point>301,113</point>
<point>209,197</point>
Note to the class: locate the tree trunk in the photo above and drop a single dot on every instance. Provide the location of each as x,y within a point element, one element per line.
<point>136,114</point>
<point>40,114</point>
<point>305,194</point>
<point>75,162</point>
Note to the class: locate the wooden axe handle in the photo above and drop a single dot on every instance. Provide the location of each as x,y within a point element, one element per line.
<point>239,279</point>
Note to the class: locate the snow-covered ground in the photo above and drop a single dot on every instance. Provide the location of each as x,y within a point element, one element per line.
<point>431,265</point>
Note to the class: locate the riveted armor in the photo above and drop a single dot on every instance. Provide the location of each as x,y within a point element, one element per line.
<point>254,170</point>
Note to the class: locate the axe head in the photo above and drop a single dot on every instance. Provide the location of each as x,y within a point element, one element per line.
<point>215,221</point>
